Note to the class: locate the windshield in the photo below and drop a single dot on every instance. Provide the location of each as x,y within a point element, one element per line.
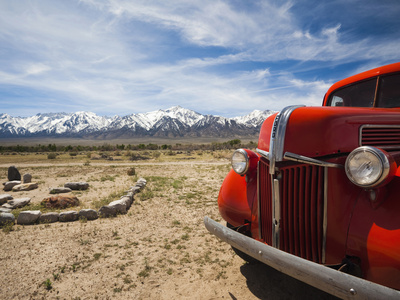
<point>363,94</point>
<point>389,91</point>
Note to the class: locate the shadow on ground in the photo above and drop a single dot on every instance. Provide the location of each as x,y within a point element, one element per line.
<point>267,283</point>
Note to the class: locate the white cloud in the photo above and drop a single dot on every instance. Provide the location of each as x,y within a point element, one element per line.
<point>37,68</point>
<point>108,55</point>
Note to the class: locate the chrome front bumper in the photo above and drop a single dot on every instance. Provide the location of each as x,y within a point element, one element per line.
<point>337,283</point>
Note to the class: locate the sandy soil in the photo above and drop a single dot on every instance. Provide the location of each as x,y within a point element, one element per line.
<point>159,250</point>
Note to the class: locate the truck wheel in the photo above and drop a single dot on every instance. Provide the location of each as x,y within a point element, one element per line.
<point>242,255</point>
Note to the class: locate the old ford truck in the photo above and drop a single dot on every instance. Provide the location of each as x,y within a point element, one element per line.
<point>319,199</point>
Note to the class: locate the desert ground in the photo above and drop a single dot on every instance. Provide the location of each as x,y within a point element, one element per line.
<point>159,250</point>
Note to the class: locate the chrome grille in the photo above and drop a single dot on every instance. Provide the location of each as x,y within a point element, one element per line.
<point>302,209</point>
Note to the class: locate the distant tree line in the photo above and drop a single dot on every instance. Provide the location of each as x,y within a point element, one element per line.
<point>232,144</point>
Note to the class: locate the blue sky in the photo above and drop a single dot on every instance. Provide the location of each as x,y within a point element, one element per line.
<point>117,57</point>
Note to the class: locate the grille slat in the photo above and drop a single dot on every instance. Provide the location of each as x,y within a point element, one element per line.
<point>285,216</point>
<point>295,216</point>
<point>266,203</point>
<point>302,208</point>
<point>380,136</point>
<point>307,215</point>
<point>313,219</point>
<point>320,210</point>
<point>302,219</point>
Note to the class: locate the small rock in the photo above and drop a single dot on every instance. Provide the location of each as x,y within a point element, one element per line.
<point>6,218</point>
<point>128,201</point>
<point>13,174</point>
<point>25,187</point>
<point>4,198</point>
<point>89,214</point>
<point>68,216</point>
<point>142,181</point>
<point>60,190</point>
<point>27,178</point>
<point>119,205</point>
<point>107,211</point>
<point>77,186</point>
<point>17,203</point>
<point>28,217</point>
<point>140,184</point>
<point>10,184</point>
<point>60,202</point>
<point>136,189</point>
<point>49,217</point>
<point>4,210</point>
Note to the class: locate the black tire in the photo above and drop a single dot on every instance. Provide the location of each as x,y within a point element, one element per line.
<point>242,255</point>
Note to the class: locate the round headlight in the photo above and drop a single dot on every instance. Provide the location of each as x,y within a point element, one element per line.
<point>367,166</point>
<point>240,161</point>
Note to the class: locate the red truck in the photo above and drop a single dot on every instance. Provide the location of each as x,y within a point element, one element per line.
<point>321,193</point>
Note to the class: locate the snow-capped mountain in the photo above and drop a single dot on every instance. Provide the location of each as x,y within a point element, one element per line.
<point>254,118</point>
<point>173,122</point>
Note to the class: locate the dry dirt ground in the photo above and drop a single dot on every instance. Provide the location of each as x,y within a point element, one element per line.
<point>159,250</point>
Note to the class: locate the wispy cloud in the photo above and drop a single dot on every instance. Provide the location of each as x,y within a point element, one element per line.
<point>214,56</point>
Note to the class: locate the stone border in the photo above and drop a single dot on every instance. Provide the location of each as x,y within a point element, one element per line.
<point>120,206</point>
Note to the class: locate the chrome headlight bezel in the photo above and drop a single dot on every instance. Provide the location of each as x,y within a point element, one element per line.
<point>367,166</point>
<point>240,161</point>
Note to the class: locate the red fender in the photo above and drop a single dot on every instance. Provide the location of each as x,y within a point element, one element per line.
<point>233,201</point>
<point>374,236</point>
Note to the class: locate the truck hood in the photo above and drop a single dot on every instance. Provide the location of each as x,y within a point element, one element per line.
<point>321,131</point>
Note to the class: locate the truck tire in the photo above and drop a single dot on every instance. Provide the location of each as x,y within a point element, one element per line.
<point>242,255</point>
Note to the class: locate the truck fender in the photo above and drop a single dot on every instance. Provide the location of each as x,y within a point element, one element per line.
<point>374,237</point>
<point>235,199</point>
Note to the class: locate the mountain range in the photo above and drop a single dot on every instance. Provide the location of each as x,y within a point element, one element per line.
<point>173,122</point>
